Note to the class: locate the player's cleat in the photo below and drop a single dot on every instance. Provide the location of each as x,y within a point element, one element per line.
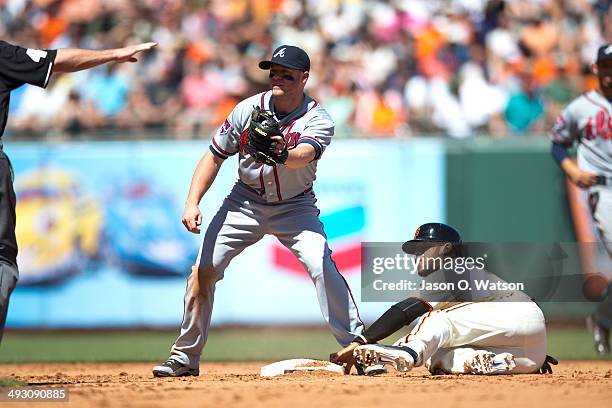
<point>373,355</point>
<point>601,336</point>
<point>377,369</point>
<point>487,363</point>
<point>173,368</point>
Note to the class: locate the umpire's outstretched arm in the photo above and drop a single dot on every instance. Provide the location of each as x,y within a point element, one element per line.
<point>75,59</point>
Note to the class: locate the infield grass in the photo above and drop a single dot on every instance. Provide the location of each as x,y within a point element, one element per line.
<point>236,344</point>
<point>11,382</point>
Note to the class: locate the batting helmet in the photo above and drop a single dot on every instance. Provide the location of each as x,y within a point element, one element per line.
<point>431,232</point>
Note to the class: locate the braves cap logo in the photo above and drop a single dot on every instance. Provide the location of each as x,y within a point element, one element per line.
<point>608,50</point>
<point>279,53</point>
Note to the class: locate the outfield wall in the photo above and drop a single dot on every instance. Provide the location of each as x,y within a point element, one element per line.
<point>102,243</point>
<point>507,191</point>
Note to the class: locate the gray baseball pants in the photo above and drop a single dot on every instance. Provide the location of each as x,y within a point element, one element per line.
<point>243,219</point>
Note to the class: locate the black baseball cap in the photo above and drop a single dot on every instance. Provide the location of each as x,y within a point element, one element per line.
<point>431,234</point>
<point>604,53</point>
<point>288,56</point>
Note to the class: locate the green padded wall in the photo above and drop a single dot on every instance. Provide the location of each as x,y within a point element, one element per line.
<point>506,191</point>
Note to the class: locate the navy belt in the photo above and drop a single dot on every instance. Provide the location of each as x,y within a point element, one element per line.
<point>261,194</point>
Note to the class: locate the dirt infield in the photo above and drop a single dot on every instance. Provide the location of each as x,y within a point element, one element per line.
<point>576,383</point>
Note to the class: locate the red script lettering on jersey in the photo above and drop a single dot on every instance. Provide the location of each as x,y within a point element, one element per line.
<point>599,126</point>
<point>291,139</point>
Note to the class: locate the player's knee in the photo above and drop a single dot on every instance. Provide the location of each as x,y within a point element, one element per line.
<point>9,277</point>
<point>316,269</point>
<point>314,265</point>
<point>8,265</point>
<point>207,272</point>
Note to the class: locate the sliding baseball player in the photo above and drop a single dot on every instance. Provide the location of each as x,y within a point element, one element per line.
<point>496,332</point>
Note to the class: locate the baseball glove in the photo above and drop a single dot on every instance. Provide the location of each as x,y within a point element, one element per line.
<point>260,144</point>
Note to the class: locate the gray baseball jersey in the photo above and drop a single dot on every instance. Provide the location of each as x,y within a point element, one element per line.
<point>310,123</point>
<point>272,200</point>
<point>587,120</point>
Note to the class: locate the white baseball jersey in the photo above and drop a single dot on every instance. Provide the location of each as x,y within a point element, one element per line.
<point>473,285</point>
<point>310,123</point>
<point>587,120</point>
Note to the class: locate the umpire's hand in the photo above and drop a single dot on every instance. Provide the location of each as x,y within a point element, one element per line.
<point>192,218</point>
<point>127,54</point>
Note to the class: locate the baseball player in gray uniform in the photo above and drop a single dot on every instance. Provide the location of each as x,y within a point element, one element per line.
<point>266,199</point>
<point>588,121</point>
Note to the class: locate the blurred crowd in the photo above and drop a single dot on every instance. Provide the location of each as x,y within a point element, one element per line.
<point>381,68</point>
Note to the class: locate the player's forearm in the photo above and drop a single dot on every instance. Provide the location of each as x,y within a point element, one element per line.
<point>203,177</point>
<point>569,167</point>
<point>580,178</point>
<point>75,59</point>
<point>398,315</point>
<point>301,156</point>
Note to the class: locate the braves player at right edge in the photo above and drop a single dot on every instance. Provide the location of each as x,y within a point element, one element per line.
<point>266,199</point>
<point>588,121</point>
<point>465,331</point>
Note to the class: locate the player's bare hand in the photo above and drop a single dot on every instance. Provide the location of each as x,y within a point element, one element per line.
<point>280,144</point>
<point>583,179</point>
<point>345,357</point>
<point>192,218</point>
<point>127,54</point>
